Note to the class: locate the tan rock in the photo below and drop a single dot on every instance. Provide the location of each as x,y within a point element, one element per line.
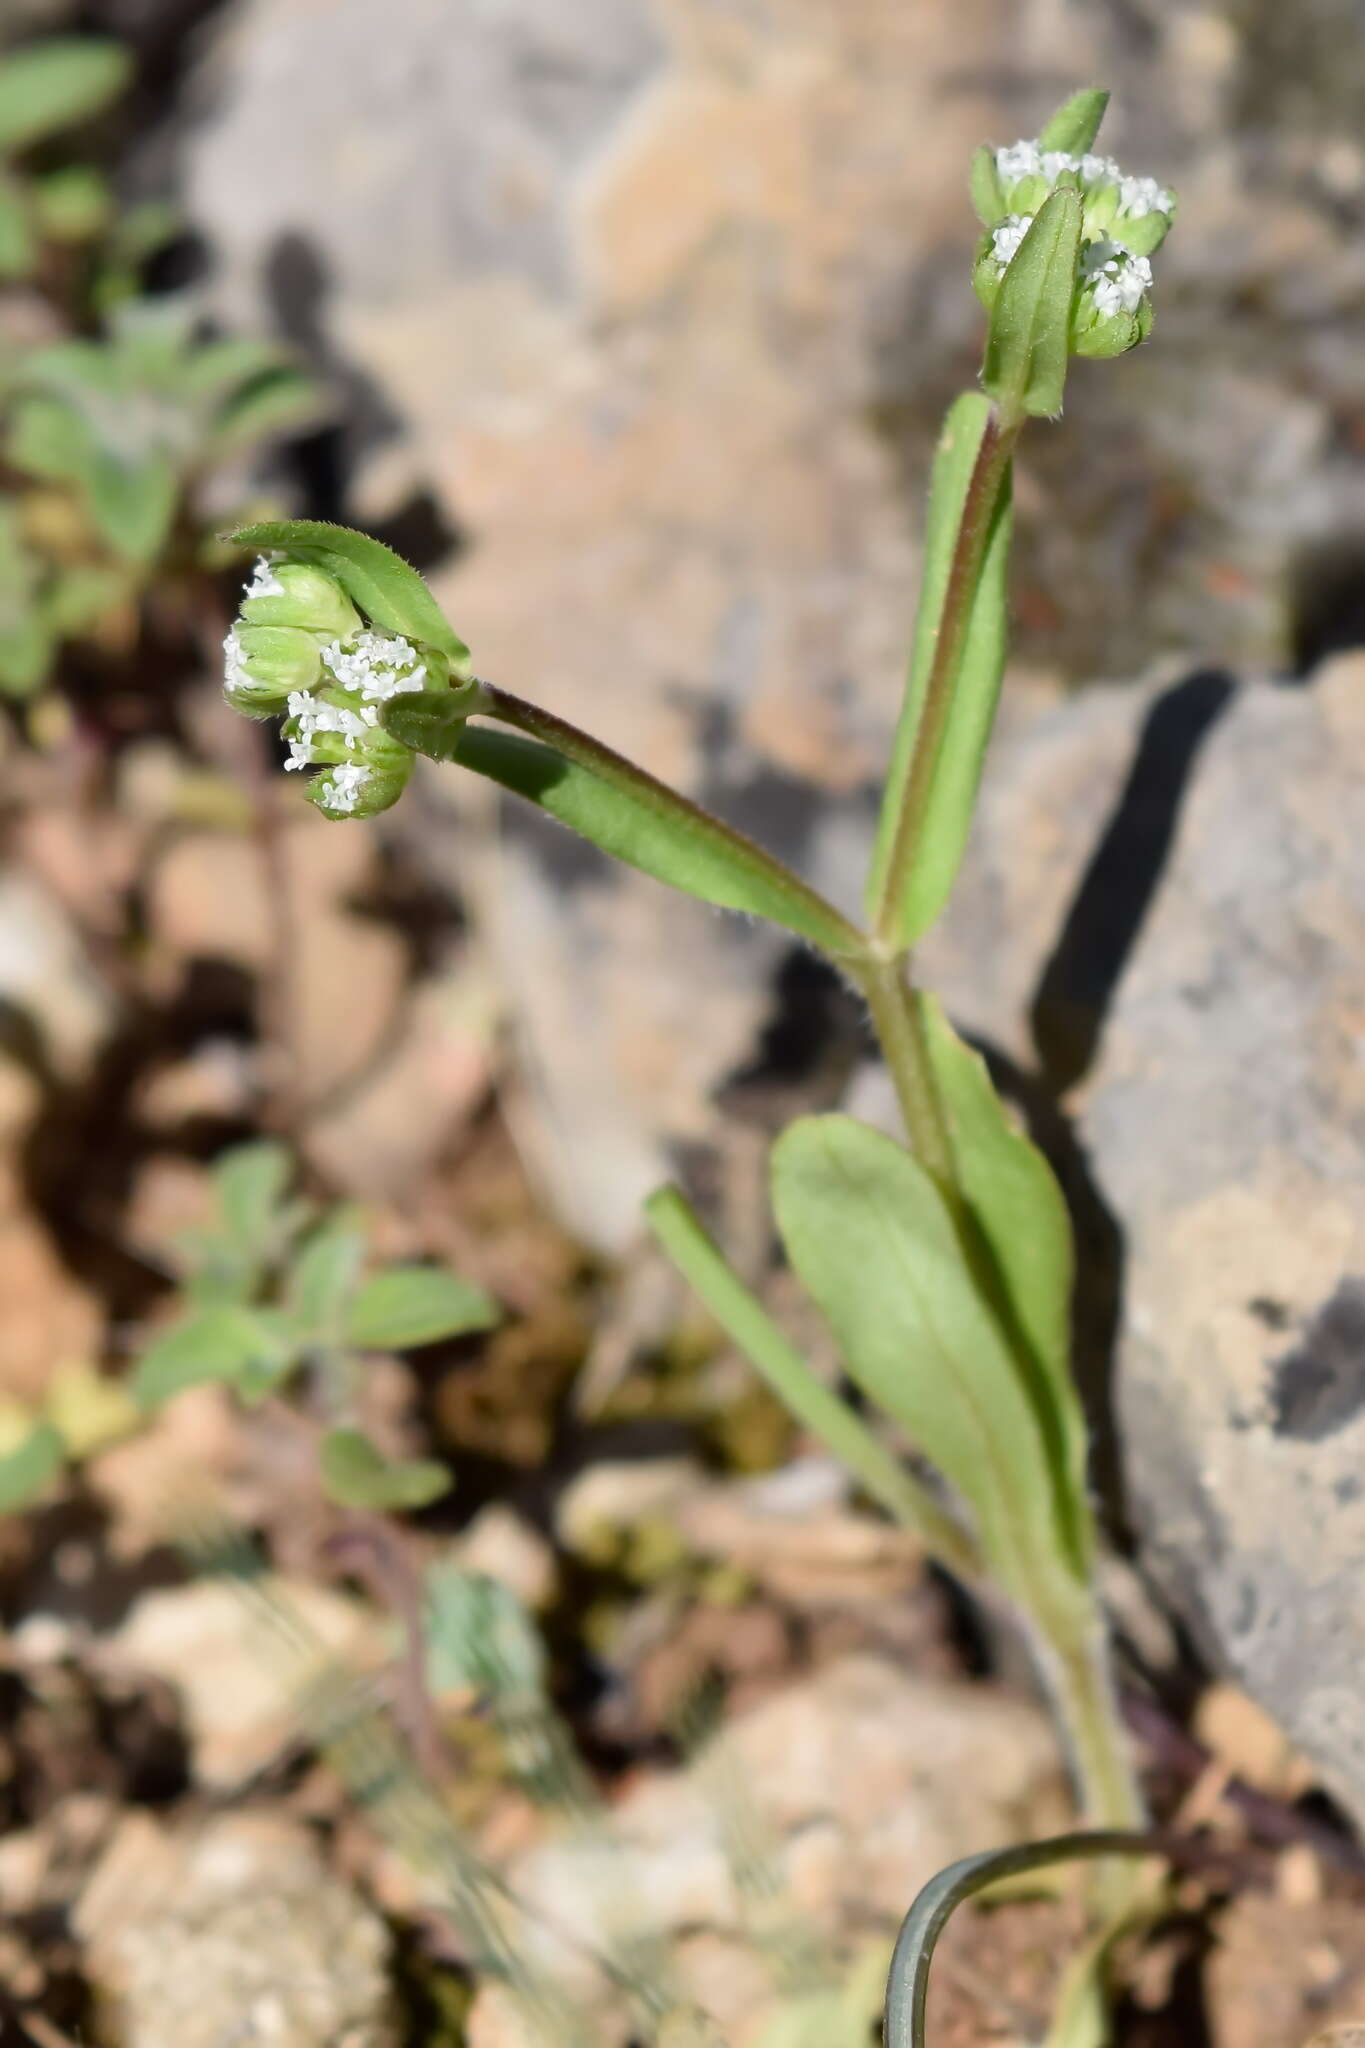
<point>240,1695</point>
<point>233,1931</point>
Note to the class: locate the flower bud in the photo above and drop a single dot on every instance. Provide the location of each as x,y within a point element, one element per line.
<point>297,594</point>
<point>264,664</point>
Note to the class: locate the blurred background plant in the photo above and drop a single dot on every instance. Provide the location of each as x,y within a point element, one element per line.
<point>118,412</point>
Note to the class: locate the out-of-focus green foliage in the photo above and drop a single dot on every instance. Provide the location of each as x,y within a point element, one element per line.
<point>115,406</point>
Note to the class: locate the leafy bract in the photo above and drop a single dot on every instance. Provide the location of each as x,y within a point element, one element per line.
<point>1073,127</point>
<point>975,687</point>
<point>1029,340</point>
<point>385,587</point>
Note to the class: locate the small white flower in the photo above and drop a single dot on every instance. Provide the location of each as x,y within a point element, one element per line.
<point>264,582</point>
<point>234,663</point>
<point>376,666</point>
<point>1006,238</point>
<point>342,786</point>
<point>1140,196</point>
<point>1119,279</point>
<point>312,716</point>
<point>1098,170</point>
<point>1018,160</point>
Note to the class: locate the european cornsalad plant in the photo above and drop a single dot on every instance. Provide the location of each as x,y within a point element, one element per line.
<point>942,1261</point>
<point>114,408</point>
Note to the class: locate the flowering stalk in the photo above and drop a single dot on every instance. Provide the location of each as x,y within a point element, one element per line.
<point>944,1269</point>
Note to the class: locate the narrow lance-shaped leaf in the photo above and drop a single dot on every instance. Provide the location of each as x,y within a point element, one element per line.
<point>1025,1257</point>
<point>744,1319</point>
<point>1029,340</point>
<point>975,686</point>
<point>620,808</point>
<point>873,1239</point>
<point>54,84</point>
<point>385,587</point>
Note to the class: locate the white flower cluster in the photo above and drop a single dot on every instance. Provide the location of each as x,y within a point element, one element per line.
<point>1006,238</point>
<point>264,582</point>
<point>342,786</point>
<point>1119,278</point>
<point>234,662</point>
<point>373,666</point>
<point>1137,196</point>
<point>377,667</point>
<point>313,717</point>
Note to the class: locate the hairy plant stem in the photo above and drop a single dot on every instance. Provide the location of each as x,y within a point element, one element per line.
<point>969,550</point>
<point>896,1020</point>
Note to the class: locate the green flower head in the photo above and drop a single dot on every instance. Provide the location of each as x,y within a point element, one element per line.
<point>300,650</point>
<point>1124,220</point>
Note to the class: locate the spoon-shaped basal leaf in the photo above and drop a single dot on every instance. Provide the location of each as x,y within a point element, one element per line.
<point>876,1244</point>
<point>385,587</point>
<point>1030,332</point>
<point>620,808</point>
<point>971,692</point>
<point>1024,1259</point>
<point>817,1407</point>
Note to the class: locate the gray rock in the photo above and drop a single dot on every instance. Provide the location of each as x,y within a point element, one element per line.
<point>1226,1128</point>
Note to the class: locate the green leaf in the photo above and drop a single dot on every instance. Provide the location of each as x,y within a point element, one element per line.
<point>246,1347</point>
<point>54,84</point>
<point>1073,128</point>
<point>975,688</point>
<point>29,1469</point>
<point>411,1305</point>
<point>1029,338</point>
<point>18,245</point>
<point>874,1241</point>
<point>47,439</point>
<point>251,1183</point>
<point>272,403</point>
<point>620,808</point>
<point>27,650</point>
<point>80,595</point>
<point>381,583</point>
<point>133,504</point>
<point>1027,1263</point>
<point>72,204</point>
<point>324,1276</point>
<point>356,1475</point>
<point>744,1319</point>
